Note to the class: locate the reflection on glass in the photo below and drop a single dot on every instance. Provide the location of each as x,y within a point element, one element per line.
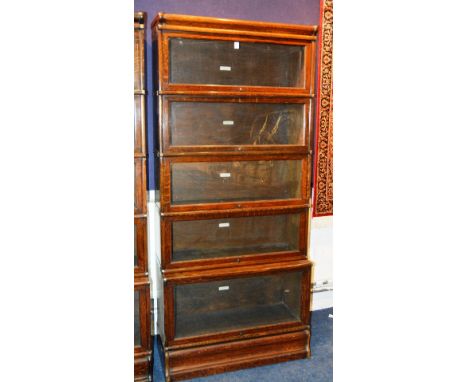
<point>211,182</point>
<point>225,123</point>
<point>202,239</point>
<point>197,61</point>
<point>234,304</point>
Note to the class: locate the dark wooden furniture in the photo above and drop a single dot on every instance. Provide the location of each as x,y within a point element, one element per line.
<point>142,308</point>
<point>235,108</point>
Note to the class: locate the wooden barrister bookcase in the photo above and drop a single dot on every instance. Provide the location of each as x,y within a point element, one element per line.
<point>235,110</point>
<point>142,308</point>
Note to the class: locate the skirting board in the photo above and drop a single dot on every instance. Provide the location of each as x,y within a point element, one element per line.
<point>321,300</point>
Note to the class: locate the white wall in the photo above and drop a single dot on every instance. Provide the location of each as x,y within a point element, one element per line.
<point>321,249</point>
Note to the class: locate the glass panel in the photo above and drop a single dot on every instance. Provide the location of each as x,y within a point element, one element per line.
<point>196,61</point>
<point>233,304</point>
<point>210,182</point>
<point>226,123</point>
<point>136,320</point>
<point>202,239</point>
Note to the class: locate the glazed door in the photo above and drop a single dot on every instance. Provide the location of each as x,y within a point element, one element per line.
<point>192,124</point>
<point>234,237</point>
<point>235,182</point>
<point>239,305</point>
<point>238,64</point>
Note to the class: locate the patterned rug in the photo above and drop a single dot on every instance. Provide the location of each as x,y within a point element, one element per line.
<point>323,170</point>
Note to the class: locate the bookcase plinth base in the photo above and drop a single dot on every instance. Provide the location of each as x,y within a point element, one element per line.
<point>201,361</point>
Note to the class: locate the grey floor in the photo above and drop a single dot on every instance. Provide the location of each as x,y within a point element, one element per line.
<point>319,368</point>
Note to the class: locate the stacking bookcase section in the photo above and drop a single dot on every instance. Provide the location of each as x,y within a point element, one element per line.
<point>232,238</point>
<point>235,108</point>
<point>199,55</point>
<point>226,182</point>
<point>262,311</point>
<point>207,125</point>
<point>142,307</point>
<point>142,330</point>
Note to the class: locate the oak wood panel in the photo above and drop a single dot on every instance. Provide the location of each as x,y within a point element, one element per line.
<point>177,20</point>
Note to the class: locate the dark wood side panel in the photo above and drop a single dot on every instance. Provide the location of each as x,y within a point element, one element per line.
<point>142,304</point>
<point>142,317</point>
<point>139,125</point>
<point>142,368</point>
<point>139,51</point>
<point>140,246</point>
<point>140,186</point>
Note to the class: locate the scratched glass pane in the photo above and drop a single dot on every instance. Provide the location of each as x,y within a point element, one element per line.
<point>136,320</point>
<point>227,237</point>
<point>197,61</point>
<point>226,123</point>
<point>211,182</point>
<point>234,304</point>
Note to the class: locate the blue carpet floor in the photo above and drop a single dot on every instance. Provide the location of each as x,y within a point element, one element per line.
<point>318,368</point>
